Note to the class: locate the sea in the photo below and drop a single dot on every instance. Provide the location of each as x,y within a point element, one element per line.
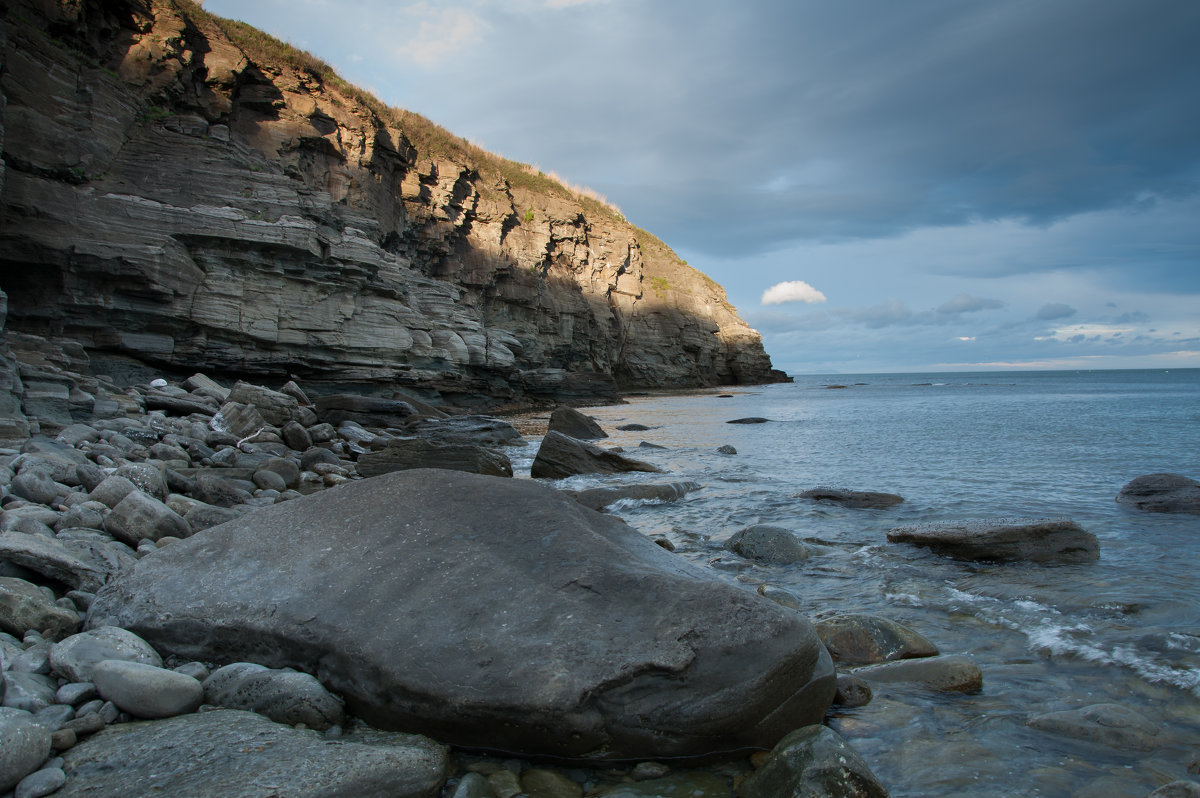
<point>958,446</point>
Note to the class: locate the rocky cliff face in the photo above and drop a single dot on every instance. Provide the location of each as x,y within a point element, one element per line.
<point>184,192</point>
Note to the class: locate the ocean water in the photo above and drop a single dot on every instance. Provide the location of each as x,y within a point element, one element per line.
<point>1123,630</point>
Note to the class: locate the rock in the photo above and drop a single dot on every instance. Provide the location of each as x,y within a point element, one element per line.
<point>851,691</point>
<point>283,695</point>
<point>24,746</point>
<point>275,407</point>
<point>1177,789</point>
<point>269,480</point>
<point>599,498</point>
<point>749,420</point>
<point>572,423</point>
<point>726,449</point>
<point>770,544</point>
<point>814,762</point>
<point>75,658</point>
<point>561,456</point>
<point>866,639</point>
<point>139,516</point>
<point>472,785</point>
<point>146,691</point>
<point>202,516</point>
<point>1162,493</point>
<point>401,454</point>
<point>853,498</point>
<point>77,564</point>
<point>955,673</point>
<point>24,606</point>
<point>233,753</point>
<point>296,436</point>
<point>633,428</point>
<point>112,490</point>
<point>694,784</point>
<point>31,692</point>
<point>1033,540</point>
<point>370,411</point>
<point>479,430</point>
<point>239,420</point>
<point>1111,725</point>
<point>578,636</point>
<point>201,382</point>
<point>75,693</point>
<point>217,491</point>
<point>179,405</point>
<point>36,486</point>
<point>541,783</point>
<point>146,478</point>
<point>40,783</point>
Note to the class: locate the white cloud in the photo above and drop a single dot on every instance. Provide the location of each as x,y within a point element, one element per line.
<point>791,291</point>
<point>441,34</point>
<point>965,338</point>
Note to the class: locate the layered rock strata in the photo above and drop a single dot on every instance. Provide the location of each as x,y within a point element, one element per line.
<point>185,192</point>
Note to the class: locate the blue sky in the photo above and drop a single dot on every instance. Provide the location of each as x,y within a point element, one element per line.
<point>928,185</point>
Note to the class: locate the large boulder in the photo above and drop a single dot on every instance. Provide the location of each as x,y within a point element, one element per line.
<point>1033,540</point>
<point>571,422</point>
<point>563,456</point>
<point>228,752</point>
<point>1162,493</point>
<point>494,613</point>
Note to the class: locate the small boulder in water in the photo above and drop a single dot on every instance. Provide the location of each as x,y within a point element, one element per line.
<point>599,498</point>
<point>1033,540</point>
<point>864,639</point>
<point>1112,725</point>
<point>562,456</point>
<point>816,761</point>
<point>769,544</point>
<point>570,421</point>
<point>1162,493</point>
<point>853,498</point>
<point>749,420</point>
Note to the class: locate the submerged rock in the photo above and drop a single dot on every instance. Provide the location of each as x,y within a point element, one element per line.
<point>814,762</point>
<point>956,673</point>
<point>489,613</point>
<point>749,420</point>
<point>1112,725</point>
<point>1034,540</point>
<point>1162,493</point>
<point>853,498</point>
<point>599,498</point>
<point>562,456</point>
<point>770,544</point>
<point>228,752</point>
<point>865,639</point>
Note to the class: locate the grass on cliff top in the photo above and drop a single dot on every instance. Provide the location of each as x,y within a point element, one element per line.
<point>429,139</point>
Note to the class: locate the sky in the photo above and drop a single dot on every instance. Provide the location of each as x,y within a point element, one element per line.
<point>933,185</point>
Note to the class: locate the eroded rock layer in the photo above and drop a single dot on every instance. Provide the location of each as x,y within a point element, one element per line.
<point>187,192</point>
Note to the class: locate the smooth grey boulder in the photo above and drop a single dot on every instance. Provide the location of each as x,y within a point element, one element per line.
<point>1162,493</point>
<point>857,499</point>
<point>493,613</point>
<point>139,516</point>
<point>24,746</point>
<point>78,564</point>
<point>813,762</point>
<point>1111,725</point>
<point>951,673</point>
<point>202,516</point>
<point>574,424</point>
<point>112,490</point>
<point>563,456</point>
<point>1032,540</point>
<point>227,753</point>
<point>770,544</point>
<point>867,639</point>
<point>282,694</point>
<point>599,498</point>
<point>35,485</point>
<point>146,691</point>
<point>275,407</point>
<point>75,658</point>
<point>217,490</point>
<point>24,606</point>
<point>400,454</point>
<point>146,478</point>
<point>28,691</point>
<point>295,436</point>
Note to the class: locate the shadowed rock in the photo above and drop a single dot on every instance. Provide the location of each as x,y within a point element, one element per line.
<point>402,454</point>
<point>599,498</point>
<point>863,639</point>
<point>555,630</point>
<point>813,761</point>
<point>749,420</point>
<point>955,673</point>
<point>562,456</point>
<point>853,498</point>
<point>1162,493</point>
<point>1034,540</point>
<point>574,424</point>
<point>1112,725</point>
<point>370,411</point>
<point>768,543</point>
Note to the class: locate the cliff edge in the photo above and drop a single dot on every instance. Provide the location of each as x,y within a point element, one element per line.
<point>187,193</point>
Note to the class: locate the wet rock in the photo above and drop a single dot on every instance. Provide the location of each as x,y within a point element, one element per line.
<point>1162,493</point>
<point>562,456</point>
<point>599,498</point>
<point>749,420</point>
<point>814,762</point>
<point>853,498</point>
<point>40,783</point>
<point>693,784</point>
<point>865,639</point>
<point>573,424</point>
<point>283,695</point>
<point>851,691</point>
<point>230,752</point>
<point>726,449</point>
<point>75,658</point>
<point>1177,789</point>
<point>769,544</point>
<point>24,606</point>
<point>24,746</point>
<point>1032,540</point>
<point>1112,725</point>
<point>540,783</point>
<point>139,517</point>
<point>954,673</point>
<point>663,658</point>
<point>146,691</point>
<point>401,454</point>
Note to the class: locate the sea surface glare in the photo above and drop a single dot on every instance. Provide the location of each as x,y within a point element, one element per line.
<point>1123,630</point>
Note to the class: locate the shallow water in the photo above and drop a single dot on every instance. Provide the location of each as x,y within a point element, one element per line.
<point>1122,630</point>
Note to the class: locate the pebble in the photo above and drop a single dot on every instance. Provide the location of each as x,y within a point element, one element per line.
<point>146,691</point>
<point>41,783</point>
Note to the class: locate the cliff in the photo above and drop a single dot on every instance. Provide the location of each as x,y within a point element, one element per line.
<point>186,193</point>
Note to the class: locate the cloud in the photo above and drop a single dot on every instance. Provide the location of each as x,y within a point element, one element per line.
<point>965,303</point>
<point>441,34</point>
<point>792,291</point>
<point>1054,310</point>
